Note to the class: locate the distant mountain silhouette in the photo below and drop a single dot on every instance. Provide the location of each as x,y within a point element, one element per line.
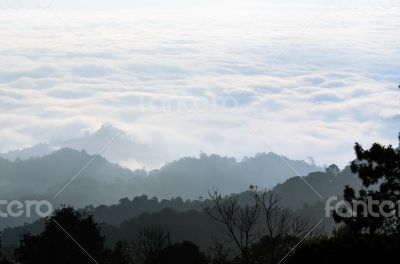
<point>189,177</point>
<point>113,143</point>
<point>38,150</point>
<point>37,175</point>
<point>192,176</point>
<point>118,147</point>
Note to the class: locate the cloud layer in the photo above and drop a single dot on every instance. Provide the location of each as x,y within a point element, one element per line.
<point>238,78</point>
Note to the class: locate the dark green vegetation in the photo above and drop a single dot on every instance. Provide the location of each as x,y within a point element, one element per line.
<point>253,227</point>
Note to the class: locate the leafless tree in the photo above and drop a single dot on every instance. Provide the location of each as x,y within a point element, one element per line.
<point>149,243</point>
<point>279,221</point>
<point>240,221</point>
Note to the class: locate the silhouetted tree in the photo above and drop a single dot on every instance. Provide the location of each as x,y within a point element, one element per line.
<point>239,220</point>
<point>379,170</point>
<point>69,237</point>
<point>282,229</point>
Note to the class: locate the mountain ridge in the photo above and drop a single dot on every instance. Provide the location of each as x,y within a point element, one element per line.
<point>104,182</point>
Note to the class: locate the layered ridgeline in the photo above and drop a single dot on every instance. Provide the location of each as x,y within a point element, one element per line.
<point>103,182</point>
<point>42,170</point>
<point>187,220</point>
<point>116,146</point>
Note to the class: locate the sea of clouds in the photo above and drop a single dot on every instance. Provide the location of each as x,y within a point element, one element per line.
<point>228,77</point>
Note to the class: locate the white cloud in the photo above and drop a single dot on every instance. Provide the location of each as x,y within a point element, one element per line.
<point>308,83</point>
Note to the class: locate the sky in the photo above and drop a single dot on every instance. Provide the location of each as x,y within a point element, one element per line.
<point>299,78</point>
